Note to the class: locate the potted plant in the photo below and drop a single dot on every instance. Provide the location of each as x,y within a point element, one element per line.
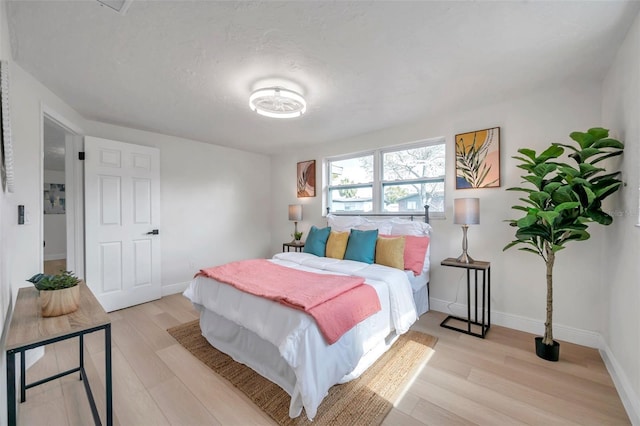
<point>297,236</point>
<point>59,294</point>
<point>560,204</point>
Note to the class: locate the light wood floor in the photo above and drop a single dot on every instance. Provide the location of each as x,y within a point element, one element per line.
<point>468,380</point>
<point>52,267</point>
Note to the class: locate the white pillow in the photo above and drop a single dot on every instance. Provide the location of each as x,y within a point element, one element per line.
<point>383,226</point>
<point>409,227</point>
<point>343,223</point>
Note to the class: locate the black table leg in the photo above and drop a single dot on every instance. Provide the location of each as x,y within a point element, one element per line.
<point>475,284</point>
<point>11,388</point>
<point>23,376</point>
<point>468,301</point>
<point>107,363</point>
<point>484,294</point>
<point>81,345</point>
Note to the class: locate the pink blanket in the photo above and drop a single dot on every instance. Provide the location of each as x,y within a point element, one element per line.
<point>336,302</point>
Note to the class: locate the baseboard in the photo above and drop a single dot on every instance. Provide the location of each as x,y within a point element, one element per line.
<point>170,289</point>
<point>56,256</point>
<point>630,399</point>
<point>528,325</point>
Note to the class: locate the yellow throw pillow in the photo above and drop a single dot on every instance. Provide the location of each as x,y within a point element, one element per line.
<point>337,244</point>
<point>390,252</point>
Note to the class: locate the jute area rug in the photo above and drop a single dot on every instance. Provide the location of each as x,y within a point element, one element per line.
<point>364,401</point>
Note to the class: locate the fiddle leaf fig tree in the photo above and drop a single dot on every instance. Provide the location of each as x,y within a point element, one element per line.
<point>562,198</point>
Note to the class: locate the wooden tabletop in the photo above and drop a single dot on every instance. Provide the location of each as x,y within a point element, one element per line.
<point>29,327</point>
<point>477,264</point>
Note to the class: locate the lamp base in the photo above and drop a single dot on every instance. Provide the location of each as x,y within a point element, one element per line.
<point>465,258</point>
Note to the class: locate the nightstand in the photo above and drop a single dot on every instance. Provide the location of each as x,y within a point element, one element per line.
<point>289,246</point>
<point>485,268</point>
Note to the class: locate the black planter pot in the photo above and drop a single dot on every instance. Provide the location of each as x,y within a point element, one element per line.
<point>547,352</point>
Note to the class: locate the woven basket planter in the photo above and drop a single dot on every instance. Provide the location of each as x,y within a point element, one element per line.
<point>54,303</point>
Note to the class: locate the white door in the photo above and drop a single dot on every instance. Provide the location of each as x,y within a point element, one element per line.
<point>122,222</point>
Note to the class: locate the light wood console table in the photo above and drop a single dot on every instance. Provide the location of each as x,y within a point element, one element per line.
<point>29,330</point>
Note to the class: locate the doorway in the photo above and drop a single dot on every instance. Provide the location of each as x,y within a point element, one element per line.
<point>61,208</point>
<point>54,219</point>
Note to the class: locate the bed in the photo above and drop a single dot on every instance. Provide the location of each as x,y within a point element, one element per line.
<point>286,346</point>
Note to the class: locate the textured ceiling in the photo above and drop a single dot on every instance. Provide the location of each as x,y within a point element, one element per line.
<point>186,68</point>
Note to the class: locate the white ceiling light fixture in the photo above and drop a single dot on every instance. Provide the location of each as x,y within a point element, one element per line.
<point>277,102</point>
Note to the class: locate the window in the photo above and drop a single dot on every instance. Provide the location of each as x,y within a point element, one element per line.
<point>395,180</point>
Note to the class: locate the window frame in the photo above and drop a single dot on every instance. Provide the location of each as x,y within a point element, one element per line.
<point>378,184</point>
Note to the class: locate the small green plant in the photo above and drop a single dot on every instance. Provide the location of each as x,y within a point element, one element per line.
<point>65,279</point>
<point>297,236</point>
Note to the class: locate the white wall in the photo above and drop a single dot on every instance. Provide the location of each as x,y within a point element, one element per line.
<point>214,202</point>
<point>6,205</point>
<point>55,225</point>
<point>518,278</point>
<point>621,269</point>
<point>27,97</point>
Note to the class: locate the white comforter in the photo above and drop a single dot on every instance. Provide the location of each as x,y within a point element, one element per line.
<point>316,365</point>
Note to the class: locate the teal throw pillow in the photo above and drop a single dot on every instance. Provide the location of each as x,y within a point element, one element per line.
<point>316,242</point>
<point>362,246</point>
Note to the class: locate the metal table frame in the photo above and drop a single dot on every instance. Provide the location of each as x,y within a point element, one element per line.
<point>28,329</point>
<point>11,373</point>
<point>485,267</point>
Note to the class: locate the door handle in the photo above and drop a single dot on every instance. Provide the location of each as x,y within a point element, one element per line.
<point>154,232</point>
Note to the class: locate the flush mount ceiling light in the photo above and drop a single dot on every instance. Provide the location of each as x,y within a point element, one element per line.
<point>277,102</point>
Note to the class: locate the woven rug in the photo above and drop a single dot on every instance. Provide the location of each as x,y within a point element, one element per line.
<point>364,401</point>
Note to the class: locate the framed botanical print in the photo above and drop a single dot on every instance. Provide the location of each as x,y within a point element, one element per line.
<point>306,179</point>
<point>478,159</point>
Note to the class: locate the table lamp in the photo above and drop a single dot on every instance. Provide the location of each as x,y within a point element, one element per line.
<point>295,214</point>
<point>466,211</point>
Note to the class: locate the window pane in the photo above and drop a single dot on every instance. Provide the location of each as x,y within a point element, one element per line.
<point>412,197</point>
<point>414,163</point>
<point>351,200</point>
<point>353,170</point>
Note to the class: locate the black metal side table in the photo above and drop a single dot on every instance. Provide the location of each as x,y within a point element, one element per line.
<point>28,330</point>
<point>294,246</point>
<point>485,268</point>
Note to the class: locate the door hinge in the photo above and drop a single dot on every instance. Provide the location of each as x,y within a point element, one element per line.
<point>81,155</point>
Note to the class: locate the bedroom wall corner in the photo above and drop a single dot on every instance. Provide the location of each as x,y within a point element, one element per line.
<point>620,274</point>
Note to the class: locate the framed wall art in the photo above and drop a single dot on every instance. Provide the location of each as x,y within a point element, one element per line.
<point>306,179</point>
<point>54,198</point>
<point>478,159</point>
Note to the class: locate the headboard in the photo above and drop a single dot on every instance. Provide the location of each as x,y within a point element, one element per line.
<point>409,215</point>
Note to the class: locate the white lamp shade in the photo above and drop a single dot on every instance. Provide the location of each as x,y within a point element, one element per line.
<point>295,212</point>
<point>466,211</point>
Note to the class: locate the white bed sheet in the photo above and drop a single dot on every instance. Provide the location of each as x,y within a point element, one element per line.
<point>311,366</point>
<point>420,290</point>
